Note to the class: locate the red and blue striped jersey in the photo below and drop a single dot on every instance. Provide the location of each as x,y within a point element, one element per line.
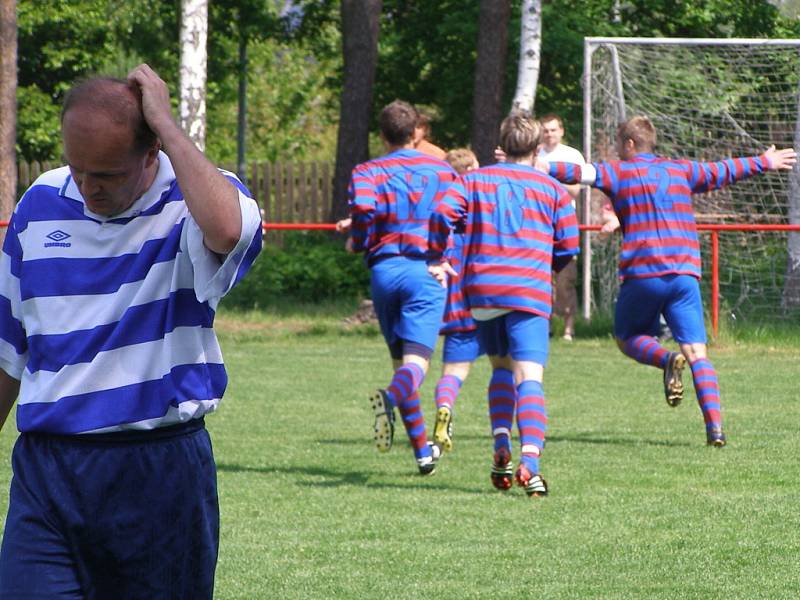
<point>652,198</point>
<point>457,316</point>
<point>391,199</point>
<point>516,219</point>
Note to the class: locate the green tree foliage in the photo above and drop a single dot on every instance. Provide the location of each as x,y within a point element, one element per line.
<point>292,108</point>
<point>61,41</point>
<point>427,56</point>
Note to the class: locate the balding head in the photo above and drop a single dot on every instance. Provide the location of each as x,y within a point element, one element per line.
<point>117,100</point>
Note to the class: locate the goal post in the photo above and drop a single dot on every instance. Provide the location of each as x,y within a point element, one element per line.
<point>709,99</point>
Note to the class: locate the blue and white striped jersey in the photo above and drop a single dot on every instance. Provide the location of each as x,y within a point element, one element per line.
<point>107,322</point>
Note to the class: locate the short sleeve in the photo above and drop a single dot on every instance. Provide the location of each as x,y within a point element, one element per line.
<point>215,276</point>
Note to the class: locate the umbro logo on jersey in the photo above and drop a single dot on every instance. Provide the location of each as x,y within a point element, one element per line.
<point>58,238</point>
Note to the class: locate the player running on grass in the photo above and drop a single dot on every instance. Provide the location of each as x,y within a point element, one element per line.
<point>660,260</point>
<point>391,199</point>
<point>461,342</point>
<point>519,225</point>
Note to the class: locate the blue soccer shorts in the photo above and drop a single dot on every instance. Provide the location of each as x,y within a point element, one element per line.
<point>524,336</point>
<point>408,301</point>
<point>462,346</point>
<point>642,300</point>
<point>125,515</point>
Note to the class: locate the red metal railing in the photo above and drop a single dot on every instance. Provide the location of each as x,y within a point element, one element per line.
<point>713,229</point>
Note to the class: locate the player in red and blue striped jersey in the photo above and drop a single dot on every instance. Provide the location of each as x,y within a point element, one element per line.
<point>519,225</point>
<point>391,199</point>
<point>461,342</point>
<point>660,260</point>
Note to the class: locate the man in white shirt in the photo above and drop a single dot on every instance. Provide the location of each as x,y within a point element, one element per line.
<point>565,301</point>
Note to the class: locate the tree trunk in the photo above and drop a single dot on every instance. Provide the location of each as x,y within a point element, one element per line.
<point>8,110</point>
<point>530,44</point>
<point>194,33</point>
<point>360,19</point>
<point>489,76</point>
<point>241,121</point>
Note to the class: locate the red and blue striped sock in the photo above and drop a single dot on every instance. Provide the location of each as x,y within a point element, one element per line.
<point>647,350</point>
<point>502,402</point>
<point>706,387</point>
<point>402,391</point>
<point>532,423</point>
<point>447,391</point>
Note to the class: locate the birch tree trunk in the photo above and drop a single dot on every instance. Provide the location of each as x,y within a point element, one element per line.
<point>8,110</point>
<point>194,33</point>
<point>530,45</point>
<point>360,29</point>
<point>487,95</point>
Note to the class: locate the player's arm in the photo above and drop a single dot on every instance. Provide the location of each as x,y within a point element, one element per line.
<point>9,390</point>
<point>211,198</point>
<point>597,175</point>
<point>565,231</point>
<point>450,214</point>
<point>362,199</point>
<point>714,175</point>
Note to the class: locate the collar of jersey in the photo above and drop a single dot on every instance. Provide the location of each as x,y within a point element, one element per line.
<point>164,178</point>
<point>645,156</point>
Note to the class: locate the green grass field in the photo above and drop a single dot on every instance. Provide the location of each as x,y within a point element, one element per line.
<point>639,506</point>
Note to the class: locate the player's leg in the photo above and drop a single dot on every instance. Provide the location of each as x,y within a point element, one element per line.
<point>386,298</point>
<point>418,326</point>
<point>137,514</point>
<point>528,345</point>
<point>502,396</point>
<point>567,296</point>
<point>684,314</point>
<point>35,558</point>
<point>636,329</point>
<point>460,350</point>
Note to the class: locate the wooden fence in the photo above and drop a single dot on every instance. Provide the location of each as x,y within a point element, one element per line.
<point>286,192</point>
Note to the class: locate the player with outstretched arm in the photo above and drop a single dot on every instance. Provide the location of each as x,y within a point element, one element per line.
<point>659,264</point>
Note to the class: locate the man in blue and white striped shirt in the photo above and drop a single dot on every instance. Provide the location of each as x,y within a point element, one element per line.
<point>110,276</point>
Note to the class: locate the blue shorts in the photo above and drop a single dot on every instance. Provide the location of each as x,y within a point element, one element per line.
<point>408,301</point>
<point>642,300</point>
<point>462,346</point>
<point>130,515</point>
<point>524,336</point>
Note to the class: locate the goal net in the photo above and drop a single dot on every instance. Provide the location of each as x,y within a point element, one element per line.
<point>709,99</point>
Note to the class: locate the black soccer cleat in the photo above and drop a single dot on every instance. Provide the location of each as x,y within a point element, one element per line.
<point>427,464</point>
<point>384,420</point>
<point>502,470</point>
<point>715,437</point>
<point>533,483</point>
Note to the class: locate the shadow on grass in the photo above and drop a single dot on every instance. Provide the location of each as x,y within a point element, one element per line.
<point>614,441</point>
<point>335,479</point>
<point>553,439</point>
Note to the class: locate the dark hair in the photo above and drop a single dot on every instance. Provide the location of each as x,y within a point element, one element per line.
<point>520,134</point>
<point>397,122</point>
<point>119,99</point>
<point>641,130</point>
